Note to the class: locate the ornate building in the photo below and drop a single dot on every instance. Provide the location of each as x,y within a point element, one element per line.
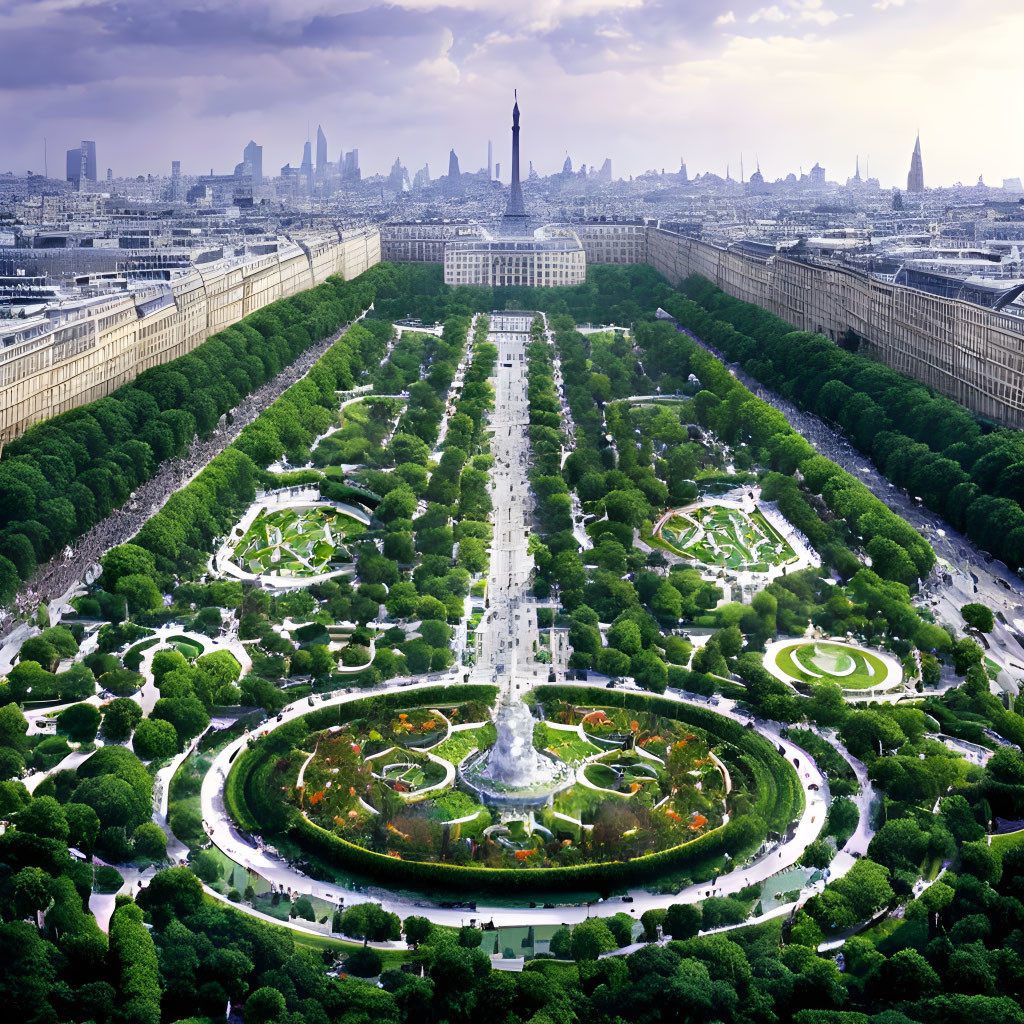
<point>517,253</point>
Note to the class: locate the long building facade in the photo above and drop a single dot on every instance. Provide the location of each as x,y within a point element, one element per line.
<point>968,352</point>
<point>87,347</point>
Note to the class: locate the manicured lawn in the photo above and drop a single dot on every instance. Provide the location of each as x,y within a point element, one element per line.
<point>850,668</point>
<point>565,745</point>
<point>459,744</point>
<point>187,646</point>
<point>1008,841</point>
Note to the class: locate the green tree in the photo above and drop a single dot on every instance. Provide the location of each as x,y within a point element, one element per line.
<point>120,717</point>
<point>141,593</point>
<point>155,739</point>
<point>79,722</point>
<point>683,920</point>
<point>149,841</point>
<point>417,930</point>
<point>44,817</point>
<point>264,1006</point>
<point>979,616</point>
<point>591,938</point>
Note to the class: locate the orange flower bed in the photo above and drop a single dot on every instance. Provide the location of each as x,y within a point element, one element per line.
<point>316,798</point>
<point>673,816</point>
<point>524,854</point>
<point>698,823</point>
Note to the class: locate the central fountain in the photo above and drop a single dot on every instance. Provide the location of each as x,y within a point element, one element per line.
<point>514,772</point>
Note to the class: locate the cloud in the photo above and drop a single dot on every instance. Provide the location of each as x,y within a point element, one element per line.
<point>773,13</point>
<point>642,81</point>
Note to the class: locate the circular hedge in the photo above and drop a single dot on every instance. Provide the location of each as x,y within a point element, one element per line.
<point>777,800</point>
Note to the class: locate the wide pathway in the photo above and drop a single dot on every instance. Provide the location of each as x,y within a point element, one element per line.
<point>509,626</point>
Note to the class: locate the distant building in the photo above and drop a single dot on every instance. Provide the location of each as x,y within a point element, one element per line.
<point>252,158</point>
<point>398,179</point>
<point>817,175</point>
<point>306,167</point>
<point>453,183</point>
<point>82,155</point>
<point>350,168</point>
<point>548,257</point>
<point>915,179</point>
<point>321,154</point>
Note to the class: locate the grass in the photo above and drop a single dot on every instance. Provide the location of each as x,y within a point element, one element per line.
<point>565,745</point>
<point>799,663</point>
<point>459,744</point>
<point>186,646</point>
<point>1008,841</point>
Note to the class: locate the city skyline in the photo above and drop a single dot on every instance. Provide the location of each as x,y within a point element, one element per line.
<point>630,80</point>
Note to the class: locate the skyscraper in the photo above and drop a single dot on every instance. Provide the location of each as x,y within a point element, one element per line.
<point>515,212</point>
<point>176,181</point>
<point>350,166</point>
<point>253,156</point>
<point>82,157</point>
<point>321,153</point>
<point>453,183</point>
<point>915,179</point>
<point>306,168</point>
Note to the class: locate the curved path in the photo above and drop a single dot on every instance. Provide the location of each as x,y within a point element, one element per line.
<point>227,838</point>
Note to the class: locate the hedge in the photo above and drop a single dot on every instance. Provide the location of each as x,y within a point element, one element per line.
<point>246,797</point>
<point>336,850</point>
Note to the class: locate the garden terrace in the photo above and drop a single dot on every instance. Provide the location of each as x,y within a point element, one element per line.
<point>630,814</point>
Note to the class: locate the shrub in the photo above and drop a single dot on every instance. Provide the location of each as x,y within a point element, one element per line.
<point>107,879</point>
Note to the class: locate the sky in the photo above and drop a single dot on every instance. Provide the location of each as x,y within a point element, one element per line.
<point>645,82</point>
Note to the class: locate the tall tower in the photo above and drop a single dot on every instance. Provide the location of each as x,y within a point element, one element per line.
<point>321,153</point>
<point>915,179</point>
<point>306,168</point>
<point>490,161</point>
<point>515,211</point>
